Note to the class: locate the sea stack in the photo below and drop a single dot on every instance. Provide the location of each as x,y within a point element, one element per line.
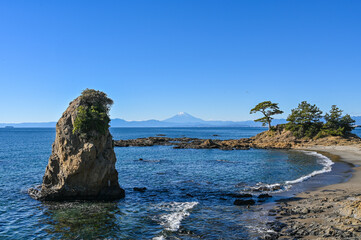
<point>82,163</point>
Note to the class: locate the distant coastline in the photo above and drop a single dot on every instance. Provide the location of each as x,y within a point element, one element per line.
<point>179,120</point>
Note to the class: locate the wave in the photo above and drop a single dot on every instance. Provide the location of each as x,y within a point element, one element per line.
<point>321,159</point>
<point>176,212</point>
<point>278,187</point>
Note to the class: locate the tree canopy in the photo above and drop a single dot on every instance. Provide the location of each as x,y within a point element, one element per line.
<point>92,114</point>
<point>307,121</point>
<point>336,125</point>
<point>268,109</point>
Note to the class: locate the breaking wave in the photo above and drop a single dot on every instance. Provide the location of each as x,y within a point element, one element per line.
<point>175,213</point>
<point>321,159</point>
<point>278,187</point>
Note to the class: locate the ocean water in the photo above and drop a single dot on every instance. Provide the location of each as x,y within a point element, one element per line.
<point>188,196</point>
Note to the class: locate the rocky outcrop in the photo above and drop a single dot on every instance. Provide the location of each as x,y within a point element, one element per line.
<point>352,208</point>
<point>79,167</point>
<point>266,140</point>
<point>284,139</point>
<point>328,214</point>
<point>195,143</point>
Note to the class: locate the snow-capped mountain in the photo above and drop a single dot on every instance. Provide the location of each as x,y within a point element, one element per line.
<point>183,117</point>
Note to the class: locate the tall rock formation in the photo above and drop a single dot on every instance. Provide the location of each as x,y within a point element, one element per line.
<point>82,163</point>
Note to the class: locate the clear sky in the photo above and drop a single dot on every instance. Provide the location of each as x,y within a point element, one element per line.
<point>212,59</point>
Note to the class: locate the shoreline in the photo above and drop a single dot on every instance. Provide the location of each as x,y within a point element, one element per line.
<point>327,212</point>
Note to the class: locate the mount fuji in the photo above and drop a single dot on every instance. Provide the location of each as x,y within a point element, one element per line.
<point>183,117</point>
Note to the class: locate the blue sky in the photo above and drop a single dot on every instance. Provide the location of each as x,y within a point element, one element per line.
<point>212,59</point>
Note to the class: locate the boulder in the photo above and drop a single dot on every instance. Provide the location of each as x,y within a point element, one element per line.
<point>80,167</point>
<point>352,208</point>
<point>209,143</point>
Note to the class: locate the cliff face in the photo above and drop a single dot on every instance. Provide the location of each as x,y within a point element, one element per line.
<point>79,168</point>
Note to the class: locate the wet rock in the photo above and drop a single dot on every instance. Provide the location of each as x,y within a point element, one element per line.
<point>184,142</point>
<point>278,226</point>
<point>260,187</point>
<point>242,202</point>
<point>265,195</point>
<point>239,195</point>
<point>140,189</point>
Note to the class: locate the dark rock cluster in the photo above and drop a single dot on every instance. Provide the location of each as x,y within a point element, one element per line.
<point>323,216</point>
<point>178,143</point>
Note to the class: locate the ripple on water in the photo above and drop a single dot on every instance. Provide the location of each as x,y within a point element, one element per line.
<point>184,196</point>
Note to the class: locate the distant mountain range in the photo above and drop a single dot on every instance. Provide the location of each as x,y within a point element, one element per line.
<point>180,120</point>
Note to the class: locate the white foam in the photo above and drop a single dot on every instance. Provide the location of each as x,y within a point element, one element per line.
<point>277,187</point>
<point>321,159</point>
<point>158,238</point>
<point>177,212</point>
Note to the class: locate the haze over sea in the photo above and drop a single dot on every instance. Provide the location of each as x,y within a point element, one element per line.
<point>188,196</point>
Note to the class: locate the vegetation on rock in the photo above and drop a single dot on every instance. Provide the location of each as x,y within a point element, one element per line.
<point>336,125</point>
<point>305,120</point>
<point>268,109</point>
<point>92,114</point>
<point>82,165</point>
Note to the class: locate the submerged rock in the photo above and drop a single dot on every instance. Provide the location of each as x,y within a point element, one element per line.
<point>241,202</point>
<point>140,189</point>
<point>239,195</point>
<point>264,195</point>
<point>81,167</point>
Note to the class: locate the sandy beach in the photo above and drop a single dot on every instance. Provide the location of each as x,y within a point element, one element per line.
<point>330,212</point>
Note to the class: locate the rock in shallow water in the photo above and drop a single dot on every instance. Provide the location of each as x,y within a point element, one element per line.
<point>241,202</point>
<point>79,168</point>
<point>265,195</point>
<point>140,189</point>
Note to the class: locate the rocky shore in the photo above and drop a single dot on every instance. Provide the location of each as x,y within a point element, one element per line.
<point>331,212</point>
<point>196,143</point>
<point>265,140</point>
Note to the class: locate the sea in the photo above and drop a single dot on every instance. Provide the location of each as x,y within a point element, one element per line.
<point>189,194</point>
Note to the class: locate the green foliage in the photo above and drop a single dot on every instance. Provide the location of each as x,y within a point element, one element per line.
<point>305,121</point>
<point>268,109</point>
<point>92,114</point>
<point>336,125</point>
<point>305,113</point>
<point>347,123</point>
<point>91,97</point>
